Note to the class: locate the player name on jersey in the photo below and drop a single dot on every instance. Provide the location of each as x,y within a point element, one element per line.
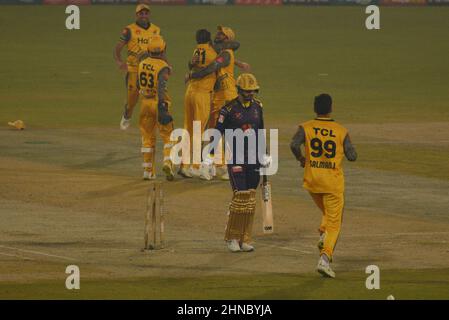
<point>322,164</point>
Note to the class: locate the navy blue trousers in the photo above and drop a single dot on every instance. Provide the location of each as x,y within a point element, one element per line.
<point>243,176</point>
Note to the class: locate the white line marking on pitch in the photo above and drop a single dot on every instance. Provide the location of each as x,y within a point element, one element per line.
<point>286,248</point>
<point>16,256</point>
<point>39,253</point>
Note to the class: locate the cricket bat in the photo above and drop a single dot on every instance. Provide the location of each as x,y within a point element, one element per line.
<point>267,211</point>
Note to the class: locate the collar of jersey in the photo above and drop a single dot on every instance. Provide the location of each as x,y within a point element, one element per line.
<point>324,119</point>
<point>143,27</point>
<point>245,106</point>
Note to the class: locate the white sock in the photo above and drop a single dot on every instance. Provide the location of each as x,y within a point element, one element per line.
<point>325,258</point>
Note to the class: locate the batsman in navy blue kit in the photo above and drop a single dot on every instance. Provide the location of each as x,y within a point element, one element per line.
<point>245,113</point>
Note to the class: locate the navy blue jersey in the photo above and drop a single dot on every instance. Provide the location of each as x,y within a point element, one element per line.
<point>249,119</point>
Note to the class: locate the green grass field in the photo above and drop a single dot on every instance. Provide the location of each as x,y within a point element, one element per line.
<point>404,284</point>
<point>390,87</point>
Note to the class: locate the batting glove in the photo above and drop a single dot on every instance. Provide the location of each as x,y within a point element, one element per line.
<point>266,161</point>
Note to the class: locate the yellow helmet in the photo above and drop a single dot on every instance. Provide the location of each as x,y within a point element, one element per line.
<point>247,81</point>
<point>227,32</point>
<point>157,44</point>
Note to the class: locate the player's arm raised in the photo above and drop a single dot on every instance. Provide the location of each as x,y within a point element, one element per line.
<point>349,149</point>
<point>295,145</point>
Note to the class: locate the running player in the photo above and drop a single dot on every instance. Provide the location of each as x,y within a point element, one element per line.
<point>135,37</point>
<point>325,142</point>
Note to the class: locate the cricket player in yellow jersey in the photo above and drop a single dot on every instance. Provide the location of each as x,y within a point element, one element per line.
<point>136,38</point>
<point>198,96</point>
<point>153,73</point>
<point>225,88</point>
<point>326,143</point>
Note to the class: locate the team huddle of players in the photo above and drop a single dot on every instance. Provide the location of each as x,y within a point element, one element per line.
<point>215,99</point>
<point>210,85</point>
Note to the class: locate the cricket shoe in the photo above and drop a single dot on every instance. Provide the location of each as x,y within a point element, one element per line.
<point>125,123</point>
<point>185,172</point>
<point>148,175</point>
<point>233,245</point>
<point>222,173</point>
<point>205,172</point>
<point>195,172</point>
<point>324,268</point>
<point>246,247</point>
<point>224,177</point>
<point>168,170</point>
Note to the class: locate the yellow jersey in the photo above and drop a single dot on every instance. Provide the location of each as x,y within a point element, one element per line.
<point>207,55</point>
<point>324,152</point>
<point>148,76</point>
<point>225,75</point>
<point>137,39</point>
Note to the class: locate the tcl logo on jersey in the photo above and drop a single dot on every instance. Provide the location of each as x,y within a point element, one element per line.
<point>324,132</point>
<point>147,66</point>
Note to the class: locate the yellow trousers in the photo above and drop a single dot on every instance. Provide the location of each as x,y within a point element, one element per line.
<point>197,106</point>
<point>218,102</point>
<point>148,124</point>
<point>331,205</point>
<point>132,92</point>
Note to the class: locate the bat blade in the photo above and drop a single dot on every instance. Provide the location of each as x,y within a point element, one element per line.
<point>267,210</point>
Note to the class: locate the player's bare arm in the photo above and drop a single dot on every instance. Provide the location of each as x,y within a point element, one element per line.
<point>124,38</point>
<point>118,57</point>
<point>244,66</point>
<point>349,149</point>
<point>295,146</point>
<point>222,60</point>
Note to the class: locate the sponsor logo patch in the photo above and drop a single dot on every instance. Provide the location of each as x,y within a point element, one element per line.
<point>237,169</point>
